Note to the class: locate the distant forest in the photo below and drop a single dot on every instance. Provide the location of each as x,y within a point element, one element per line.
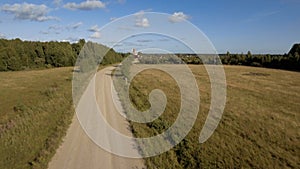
<point>23,55</point>
<point>289,61</point>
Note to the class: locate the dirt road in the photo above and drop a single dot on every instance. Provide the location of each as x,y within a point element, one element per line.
<point>78,151</point>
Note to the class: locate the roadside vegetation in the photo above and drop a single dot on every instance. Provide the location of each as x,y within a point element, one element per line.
<point>36,110</point>
<point>259,127</point>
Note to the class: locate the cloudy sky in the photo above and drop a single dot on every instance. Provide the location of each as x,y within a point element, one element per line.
<point>269,26</point>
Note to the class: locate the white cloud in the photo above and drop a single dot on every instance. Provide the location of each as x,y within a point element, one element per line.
<point>96,35</point>
<point>27,11</point>
<point>72,39</point>
<point>55,27</point>
<point>57,2</point>
<point>141,13</point>
<point>143,22</point>
<point>45,32</point>
<point>260,16</point>
<point>113,18</point>
<point>121,1</point>
<point>87,5</point>
<point>127,28</point>
<point>75,26</point>
<point>58,29</point>
<point>178,17</point>
<point>94,28</point>
<point>2,36</point>
<point>164,40</point>
<point>144,40</point>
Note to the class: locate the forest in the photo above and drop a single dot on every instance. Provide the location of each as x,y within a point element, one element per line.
<point>289,61</point>
<point>16,54</point>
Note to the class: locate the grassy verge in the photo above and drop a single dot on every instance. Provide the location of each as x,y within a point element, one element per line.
<point>36,110</point>
<point>259,127</point>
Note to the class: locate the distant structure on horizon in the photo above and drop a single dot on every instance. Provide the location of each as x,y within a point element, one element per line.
<point>134,52</point>
<point>135,55</point>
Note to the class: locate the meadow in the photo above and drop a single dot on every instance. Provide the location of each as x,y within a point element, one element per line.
<point>36,110</point>
<point>259,127</point>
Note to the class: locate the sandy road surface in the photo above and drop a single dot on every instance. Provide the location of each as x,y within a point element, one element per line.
<point>79,152</point>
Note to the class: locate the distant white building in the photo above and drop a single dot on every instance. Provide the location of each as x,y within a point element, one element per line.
<point>134,53</point>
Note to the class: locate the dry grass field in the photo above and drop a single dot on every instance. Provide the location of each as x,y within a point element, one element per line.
<point>36,109</point>
<point>259,127</point>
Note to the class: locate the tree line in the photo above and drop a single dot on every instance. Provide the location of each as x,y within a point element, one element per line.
<point>16,54</point>
<point>289,61</point>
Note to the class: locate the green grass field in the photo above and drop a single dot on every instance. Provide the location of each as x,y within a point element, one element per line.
<point>36,110</point>
<point>259,127</point>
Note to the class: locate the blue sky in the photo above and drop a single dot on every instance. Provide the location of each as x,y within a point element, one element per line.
<point>268,26</point>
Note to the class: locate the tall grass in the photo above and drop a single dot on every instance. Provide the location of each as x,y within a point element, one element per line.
<point>36,110</point>
<point>259,127</point>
